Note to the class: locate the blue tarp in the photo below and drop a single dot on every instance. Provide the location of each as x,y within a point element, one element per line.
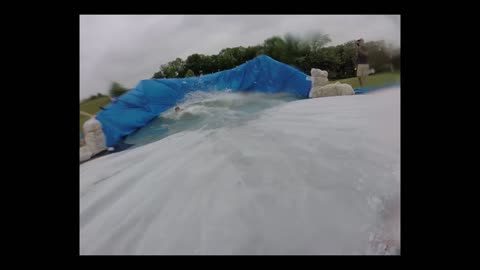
<point>369,89</point>
<point>139,106</point>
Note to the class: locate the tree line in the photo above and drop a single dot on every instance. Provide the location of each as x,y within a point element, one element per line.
<point>302,53</point>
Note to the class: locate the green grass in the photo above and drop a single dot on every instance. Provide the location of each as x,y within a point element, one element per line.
<point>92,107</point>
<point>374,80</point>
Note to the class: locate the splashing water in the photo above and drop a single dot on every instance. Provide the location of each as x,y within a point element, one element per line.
<point>208,110</point>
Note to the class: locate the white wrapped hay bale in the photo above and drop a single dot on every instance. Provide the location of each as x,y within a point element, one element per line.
<point>316,72</point>
<point>85,153</point>
<point>333,89</point>
<point>94,137</point>
<point>319,78</point>
<point>321,87</point>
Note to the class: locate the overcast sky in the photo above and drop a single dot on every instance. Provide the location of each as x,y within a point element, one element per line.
<point>130,48</point>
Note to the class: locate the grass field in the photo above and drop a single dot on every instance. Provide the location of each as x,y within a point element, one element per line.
<point>374,80</point>
<point>93,106</point>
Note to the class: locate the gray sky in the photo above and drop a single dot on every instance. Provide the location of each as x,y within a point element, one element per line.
<point>130,48</point>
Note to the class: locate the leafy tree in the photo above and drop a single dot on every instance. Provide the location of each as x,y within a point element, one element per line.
<point>158,75</point>
<point>117,90</point>
<point>275,48</point>
<point>194,63</point>
<point>379,56</point>
<point>174,69</point>
<point>189,74</point>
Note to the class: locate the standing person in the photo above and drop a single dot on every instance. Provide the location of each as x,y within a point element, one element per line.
<point>362,62</point>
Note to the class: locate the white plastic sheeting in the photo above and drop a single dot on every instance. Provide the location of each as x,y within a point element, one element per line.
<point>316,176</point>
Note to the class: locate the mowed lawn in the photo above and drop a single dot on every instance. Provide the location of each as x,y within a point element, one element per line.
<point>374,80</point>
